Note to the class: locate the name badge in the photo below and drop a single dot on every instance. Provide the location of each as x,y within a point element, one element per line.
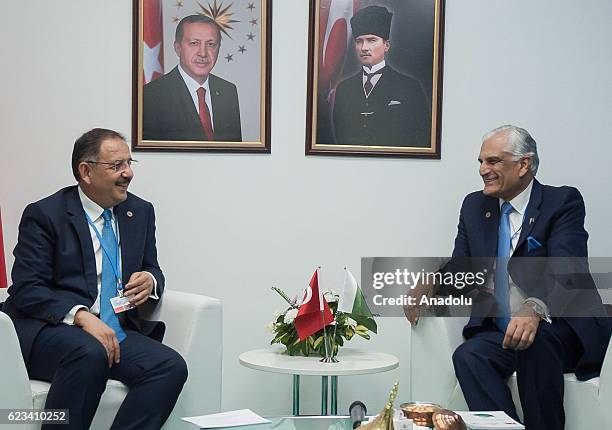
<point>121,304</point>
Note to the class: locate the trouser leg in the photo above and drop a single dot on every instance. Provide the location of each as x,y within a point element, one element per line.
<point>482,368</point>
<point>76,365</point>
<point>155,375</point>
<point>540,368</point>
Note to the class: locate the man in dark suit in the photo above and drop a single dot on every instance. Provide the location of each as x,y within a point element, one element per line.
<point>79,250</point>
<point>379,106</point>
<point>190,103</point>
<point>526,319</point>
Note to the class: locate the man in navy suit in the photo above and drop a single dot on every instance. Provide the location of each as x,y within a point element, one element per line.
<point>77,250</point>
<point>189,102</point>
<point>526,319</point>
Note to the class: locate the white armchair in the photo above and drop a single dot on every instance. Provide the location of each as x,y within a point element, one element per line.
<point>193,328</point>
<point>432,377</point>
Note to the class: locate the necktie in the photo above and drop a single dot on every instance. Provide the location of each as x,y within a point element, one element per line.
<point>205,114</point>
<point>502,288</point>
<point>109,280</point>
<point>367,87</point>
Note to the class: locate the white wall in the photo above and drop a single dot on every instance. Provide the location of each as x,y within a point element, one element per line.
<point>231,226</point>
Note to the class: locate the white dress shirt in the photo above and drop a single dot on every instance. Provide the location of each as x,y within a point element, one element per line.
<point>519,203</point>
<point>374,80</point>
<point>94,211</point>
<point>193,86</point>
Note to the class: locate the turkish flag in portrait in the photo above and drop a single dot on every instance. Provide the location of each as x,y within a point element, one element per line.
<point>334,40</point>
<point>153,40</point>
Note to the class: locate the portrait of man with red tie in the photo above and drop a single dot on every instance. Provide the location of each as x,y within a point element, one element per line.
<point>190,103</point>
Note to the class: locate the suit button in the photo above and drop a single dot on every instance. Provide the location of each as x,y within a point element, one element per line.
<point>367,104</point>
<point>365,126</point>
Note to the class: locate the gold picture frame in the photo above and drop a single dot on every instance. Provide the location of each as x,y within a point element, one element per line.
<point>401,115</point>
<point>166,107</point>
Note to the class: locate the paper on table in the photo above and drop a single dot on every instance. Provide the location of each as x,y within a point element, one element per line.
<point>489,420</point>
<point>242,417</point>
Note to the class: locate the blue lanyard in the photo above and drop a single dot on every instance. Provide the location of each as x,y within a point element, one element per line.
<point>114,265</point>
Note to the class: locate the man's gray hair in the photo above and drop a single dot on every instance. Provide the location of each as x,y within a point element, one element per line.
<point>520,144</point>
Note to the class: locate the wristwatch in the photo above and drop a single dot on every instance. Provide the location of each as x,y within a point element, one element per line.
<point>539,310</point>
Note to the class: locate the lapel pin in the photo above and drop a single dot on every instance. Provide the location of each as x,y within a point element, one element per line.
<point>488,214</point>
<point>217,93</point>
<point>531,220</point>
<point>129,214</point>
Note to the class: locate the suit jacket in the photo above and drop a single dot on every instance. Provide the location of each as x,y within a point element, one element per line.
<point>555,220</point>
<point>55,267</point>
<point>395,114</point>
<point>169,112</point>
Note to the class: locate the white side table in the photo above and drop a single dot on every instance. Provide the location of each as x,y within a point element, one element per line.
<point>350,362</point>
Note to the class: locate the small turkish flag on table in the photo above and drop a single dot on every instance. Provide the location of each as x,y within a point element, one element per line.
<point>313,314</point>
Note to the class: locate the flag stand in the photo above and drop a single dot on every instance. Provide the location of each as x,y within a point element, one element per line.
<point>328,358</point>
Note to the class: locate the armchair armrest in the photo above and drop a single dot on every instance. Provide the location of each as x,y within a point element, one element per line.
<point>433,342</point>
<point>605,380</point>
<point>15,390</point>
<point>193,329</point>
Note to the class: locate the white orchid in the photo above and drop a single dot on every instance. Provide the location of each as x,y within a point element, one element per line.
<point>271,327</point>
<point>290,316</point>
<point>351,322</point>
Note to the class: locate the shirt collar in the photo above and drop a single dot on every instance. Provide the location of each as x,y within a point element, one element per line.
<point>192,84</point>
<point>520,202</point>
<point>92,209</point>
<point>374,68</point>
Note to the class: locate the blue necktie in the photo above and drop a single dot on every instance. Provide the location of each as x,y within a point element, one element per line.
<point>502,288</point>
<point>109,280</point>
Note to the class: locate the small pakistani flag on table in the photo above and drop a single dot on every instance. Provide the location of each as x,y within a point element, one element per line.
<point>353,303</point>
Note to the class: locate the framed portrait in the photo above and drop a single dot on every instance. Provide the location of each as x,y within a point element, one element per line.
<point>375,78</point>
<point>201,75</point>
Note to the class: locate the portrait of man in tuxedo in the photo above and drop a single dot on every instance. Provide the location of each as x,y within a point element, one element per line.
<point>379,106</point>
<point>83,254</point>
<point>190,103</point>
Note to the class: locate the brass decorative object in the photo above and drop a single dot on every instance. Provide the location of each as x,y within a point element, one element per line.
<point>384,420</point>
<point>420,412</point>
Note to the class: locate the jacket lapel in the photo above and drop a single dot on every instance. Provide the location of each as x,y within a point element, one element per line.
<point>531,214</point>
<point>76,215</point>
<point>183,99</point>
<point>490,225</point>
<point>125,219</point>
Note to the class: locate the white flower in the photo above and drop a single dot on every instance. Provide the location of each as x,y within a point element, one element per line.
<point>331,296</point>
<point>351,322</point>
<point>290,316</point>
<point>272,327</point>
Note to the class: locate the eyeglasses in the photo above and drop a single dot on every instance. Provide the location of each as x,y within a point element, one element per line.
<point>116,166</point>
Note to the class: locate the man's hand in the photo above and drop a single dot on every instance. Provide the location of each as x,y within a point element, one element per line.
<point>139,288</point>
<point>103,333</point>
<point>413,309</point>
<point>522,329</point>
<point>445,419</point>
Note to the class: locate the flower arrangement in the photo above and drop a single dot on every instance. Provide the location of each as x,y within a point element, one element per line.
<point>342,330</point>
